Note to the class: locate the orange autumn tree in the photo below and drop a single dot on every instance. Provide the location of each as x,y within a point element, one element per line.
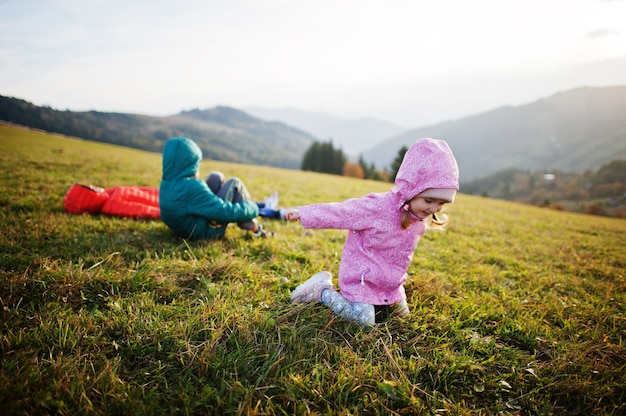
<point>353,170</point>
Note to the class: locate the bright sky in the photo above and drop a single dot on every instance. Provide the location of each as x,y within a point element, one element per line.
<point>410,62</point>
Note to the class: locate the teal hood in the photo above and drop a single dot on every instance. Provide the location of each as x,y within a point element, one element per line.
<point>181,159</point>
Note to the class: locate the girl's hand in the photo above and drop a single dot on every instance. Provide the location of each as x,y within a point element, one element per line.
<point>292,214</point>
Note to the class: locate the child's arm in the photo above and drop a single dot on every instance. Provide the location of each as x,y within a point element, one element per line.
<point>292,214</point>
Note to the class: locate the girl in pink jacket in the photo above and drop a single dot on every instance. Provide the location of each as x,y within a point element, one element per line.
<point>384,229</point>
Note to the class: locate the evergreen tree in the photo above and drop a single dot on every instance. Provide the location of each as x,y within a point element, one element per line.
<point>309,159</point>
<point>395,166</point>
<point>375,174</point>
<point>323,157</point>
<point>366,169</point>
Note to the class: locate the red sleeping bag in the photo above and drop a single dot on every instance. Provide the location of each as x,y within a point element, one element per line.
<point>119,201</point>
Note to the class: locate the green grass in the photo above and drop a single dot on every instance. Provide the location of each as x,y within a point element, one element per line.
<point>516,310</point>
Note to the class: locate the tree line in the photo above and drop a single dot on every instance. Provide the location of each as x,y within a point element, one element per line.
<point>323,157</point>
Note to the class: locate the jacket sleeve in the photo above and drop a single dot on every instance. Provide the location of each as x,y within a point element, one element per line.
<point>204,203</point>
<point>352,214</point>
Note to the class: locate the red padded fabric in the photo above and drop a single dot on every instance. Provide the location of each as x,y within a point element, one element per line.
<point>81,199</point>
<point>133,202</point>
<point>120,201</point>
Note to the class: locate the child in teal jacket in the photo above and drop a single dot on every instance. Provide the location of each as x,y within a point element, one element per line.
<point>190,208</point>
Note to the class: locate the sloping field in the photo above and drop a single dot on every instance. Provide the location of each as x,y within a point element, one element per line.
<point>516,310</point>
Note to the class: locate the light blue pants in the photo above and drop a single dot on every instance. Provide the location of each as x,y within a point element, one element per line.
<point>361,313</point>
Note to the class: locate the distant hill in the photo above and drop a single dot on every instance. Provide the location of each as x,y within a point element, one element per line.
<point>353,136</point>
<point>222,133</point>
<point>571,131</point>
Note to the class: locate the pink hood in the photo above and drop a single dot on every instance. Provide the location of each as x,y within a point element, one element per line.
<point>428,163</point>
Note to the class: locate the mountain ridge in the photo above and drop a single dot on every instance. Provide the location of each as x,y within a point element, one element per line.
<point>353,136</point>
<point>574,130</point>
<point>223,133</point>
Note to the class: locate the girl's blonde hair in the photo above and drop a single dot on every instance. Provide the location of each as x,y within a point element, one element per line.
<point>436,221</point>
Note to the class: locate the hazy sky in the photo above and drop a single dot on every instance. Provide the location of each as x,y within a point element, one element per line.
<point>410,62</point>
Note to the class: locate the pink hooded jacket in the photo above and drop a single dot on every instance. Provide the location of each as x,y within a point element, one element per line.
<point>377,251</point>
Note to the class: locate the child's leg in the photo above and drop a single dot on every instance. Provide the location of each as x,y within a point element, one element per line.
<point>268,212</point>
<point>233,190</point>
<point>402,308</point>
<point>215,180</point>
<point>384,312</point>
<point>361,313</point>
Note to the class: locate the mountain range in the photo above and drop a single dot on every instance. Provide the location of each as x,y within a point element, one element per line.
<point>353,136</point>
<point>570,131</point>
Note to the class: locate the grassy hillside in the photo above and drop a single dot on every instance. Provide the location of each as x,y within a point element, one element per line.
<point>515,309</point>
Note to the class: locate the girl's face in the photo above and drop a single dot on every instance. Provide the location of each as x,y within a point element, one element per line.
<point>423,207</point>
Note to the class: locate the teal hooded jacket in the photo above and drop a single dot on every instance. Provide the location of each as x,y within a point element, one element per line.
<point>187,204</point>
